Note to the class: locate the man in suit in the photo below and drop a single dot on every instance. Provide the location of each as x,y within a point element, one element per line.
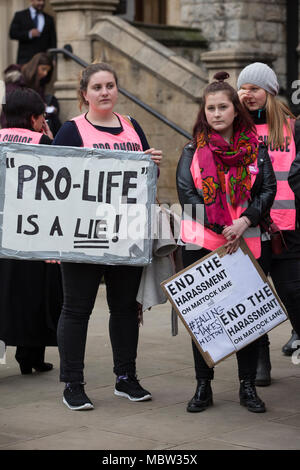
<point>34,29</point>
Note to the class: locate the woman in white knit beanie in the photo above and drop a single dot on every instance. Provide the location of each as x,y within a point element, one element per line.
<point>276,125</point>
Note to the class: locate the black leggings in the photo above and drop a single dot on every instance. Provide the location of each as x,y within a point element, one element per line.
<point>81,282</point>
<point>248,356</point>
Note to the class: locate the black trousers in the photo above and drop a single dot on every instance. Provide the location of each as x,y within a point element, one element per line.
<point>248,356</point>
<point>81,282</point>
<point>285,274</point>
<point>30,356</point>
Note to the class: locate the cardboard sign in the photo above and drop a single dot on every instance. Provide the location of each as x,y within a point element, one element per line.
<point>76,204</point>
<point>225,302</point>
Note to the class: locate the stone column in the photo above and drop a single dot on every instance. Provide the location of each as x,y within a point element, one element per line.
<point>74,20</point>
<point>233,61</point>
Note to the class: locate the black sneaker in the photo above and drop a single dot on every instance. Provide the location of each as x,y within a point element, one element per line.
<point>75,398</point>
<point>129,387</point>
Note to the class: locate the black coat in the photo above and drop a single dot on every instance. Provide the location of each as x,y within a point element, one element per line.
<point>31,297</point>
<point>262,192</point>
<point>19,29</point>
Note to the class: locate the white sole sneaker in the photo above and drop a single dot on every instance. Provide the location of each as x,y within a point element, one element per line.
<point>125,395</point>
<point>86,406</point>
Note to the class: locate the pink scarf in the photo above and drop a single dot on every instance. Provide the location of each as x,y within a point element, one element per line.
<point>217,158</point>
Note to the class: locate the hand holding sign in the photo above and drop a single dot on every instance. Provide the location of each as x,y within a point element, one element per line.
<point>222,313</point>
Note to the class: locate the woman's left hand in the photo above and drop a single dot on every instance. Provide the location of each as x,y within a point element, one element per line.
<point>52,261</point>
<point>237,229</point>
<point>156,155</point>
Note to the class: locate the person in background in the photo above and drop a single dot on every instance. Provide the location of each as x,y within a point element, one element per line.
<point>30,291</point>
<point>276,126</point>
<point>100,126</point>
<point>35,74</point>
<point>226,175</point>
<point>34,30</point>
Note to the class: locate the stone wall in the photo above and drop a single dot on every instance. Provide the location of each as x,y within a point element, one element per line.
<point>154,74</point>
<point>225,24</point>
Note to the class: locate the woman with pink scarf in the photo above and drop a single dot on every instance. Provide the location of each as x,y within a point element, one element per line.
<point>226,186</point>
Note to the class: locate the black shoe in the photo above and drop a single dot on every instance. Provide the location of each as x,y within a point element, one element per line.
<point>249,397</point>
<point>289,348</point>
<point>43,367</point>
<point>263,371</point>
<point>129,387</point>
<point>75,398</point>
<point>202,399</point>
<point>25,369</point>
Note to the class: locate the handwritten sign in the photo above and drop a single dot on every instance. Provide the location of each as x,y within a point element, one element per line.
<point>225,302</point>
<point>76,204</point>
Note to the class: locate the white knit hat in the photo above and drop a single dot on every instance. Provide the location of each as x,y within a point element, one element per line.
<point>261,75</point>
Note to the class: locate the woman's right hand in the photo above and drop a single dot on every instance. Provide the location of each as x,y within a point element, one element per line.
<point>232,246</point>
<point>46,130</point>
<point>243,96</point>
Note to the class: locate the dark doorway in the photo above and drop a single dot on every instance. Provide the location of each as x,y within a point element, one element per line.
<point>150,11</point>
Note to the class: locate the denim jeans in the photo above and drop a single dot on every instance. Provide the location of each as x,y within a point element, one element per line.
<point>81,282</point>
<point>248,356</point>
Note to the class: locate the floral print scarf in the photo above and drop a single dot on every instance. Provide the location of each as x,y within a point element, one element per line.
<point>216,159</point>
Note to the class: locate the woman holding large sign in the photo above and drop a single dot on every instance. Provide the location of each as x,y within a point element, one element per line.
<point>225,184</point>
<point>101,127</point>
<point>30,291</point>
<point>276,126</point>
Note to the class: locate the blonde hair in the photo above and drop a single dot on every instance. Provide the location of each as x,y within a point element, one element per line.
<point>278,118</point>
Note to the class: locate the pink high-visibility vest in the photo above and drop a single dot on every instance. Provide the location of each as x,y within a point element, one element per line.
<point>128,139</point>
<point>20,135</point>
<point>283,211</point>
<point>194,232</point>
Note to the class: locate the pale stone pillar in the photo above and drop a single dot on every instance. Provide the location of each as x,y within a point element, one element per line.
<point>74,20</point>
<point>232,61</point>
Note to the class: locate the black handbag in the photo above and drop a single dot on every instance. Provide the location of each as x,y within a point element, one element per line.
<point>277,239</point>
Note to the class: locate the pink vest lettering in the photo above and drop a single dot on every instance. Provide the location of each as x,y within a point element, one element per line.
<point>283,211</point>
<point>194,232</point>
<point>127,140</point>
<point>20,135</point>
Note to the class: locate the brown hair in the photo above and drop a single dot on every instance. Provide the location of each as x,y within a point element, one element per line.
<point>85,77</point>
<point>29,71</point>
<point>242,120</point>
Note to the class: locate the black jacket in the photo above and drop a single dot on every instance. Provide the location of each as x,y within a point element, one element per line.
<point>19,29</point>
<point>262,193</point>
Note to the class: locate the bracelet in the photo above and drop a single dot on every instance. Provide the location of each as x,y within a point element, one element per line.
<point>248,223</point>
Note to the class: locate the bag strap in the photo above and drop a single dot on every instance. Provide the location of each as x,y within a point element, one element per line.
<point>128,119</point>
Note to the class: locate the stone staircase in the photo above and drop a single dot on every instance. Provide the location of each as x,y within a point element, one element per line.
<point>153,73</point>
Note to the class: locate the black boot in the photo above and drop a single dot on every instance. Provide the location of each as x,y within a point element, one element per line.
<point>203,397</point>
<point>249,397</point>
<point>32,358</point>
<point>288,349</point>
<point>263,371</point>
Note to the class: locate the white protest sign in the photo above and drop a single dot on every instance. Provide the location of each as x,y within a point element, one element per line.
<point>76,204</point>
<point>225,302</point>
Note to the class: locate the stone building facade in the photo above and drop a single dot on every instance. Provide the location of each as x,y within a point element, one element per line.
<point>245,24</point>
<point>258,26</point>
<point>236,33</point>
